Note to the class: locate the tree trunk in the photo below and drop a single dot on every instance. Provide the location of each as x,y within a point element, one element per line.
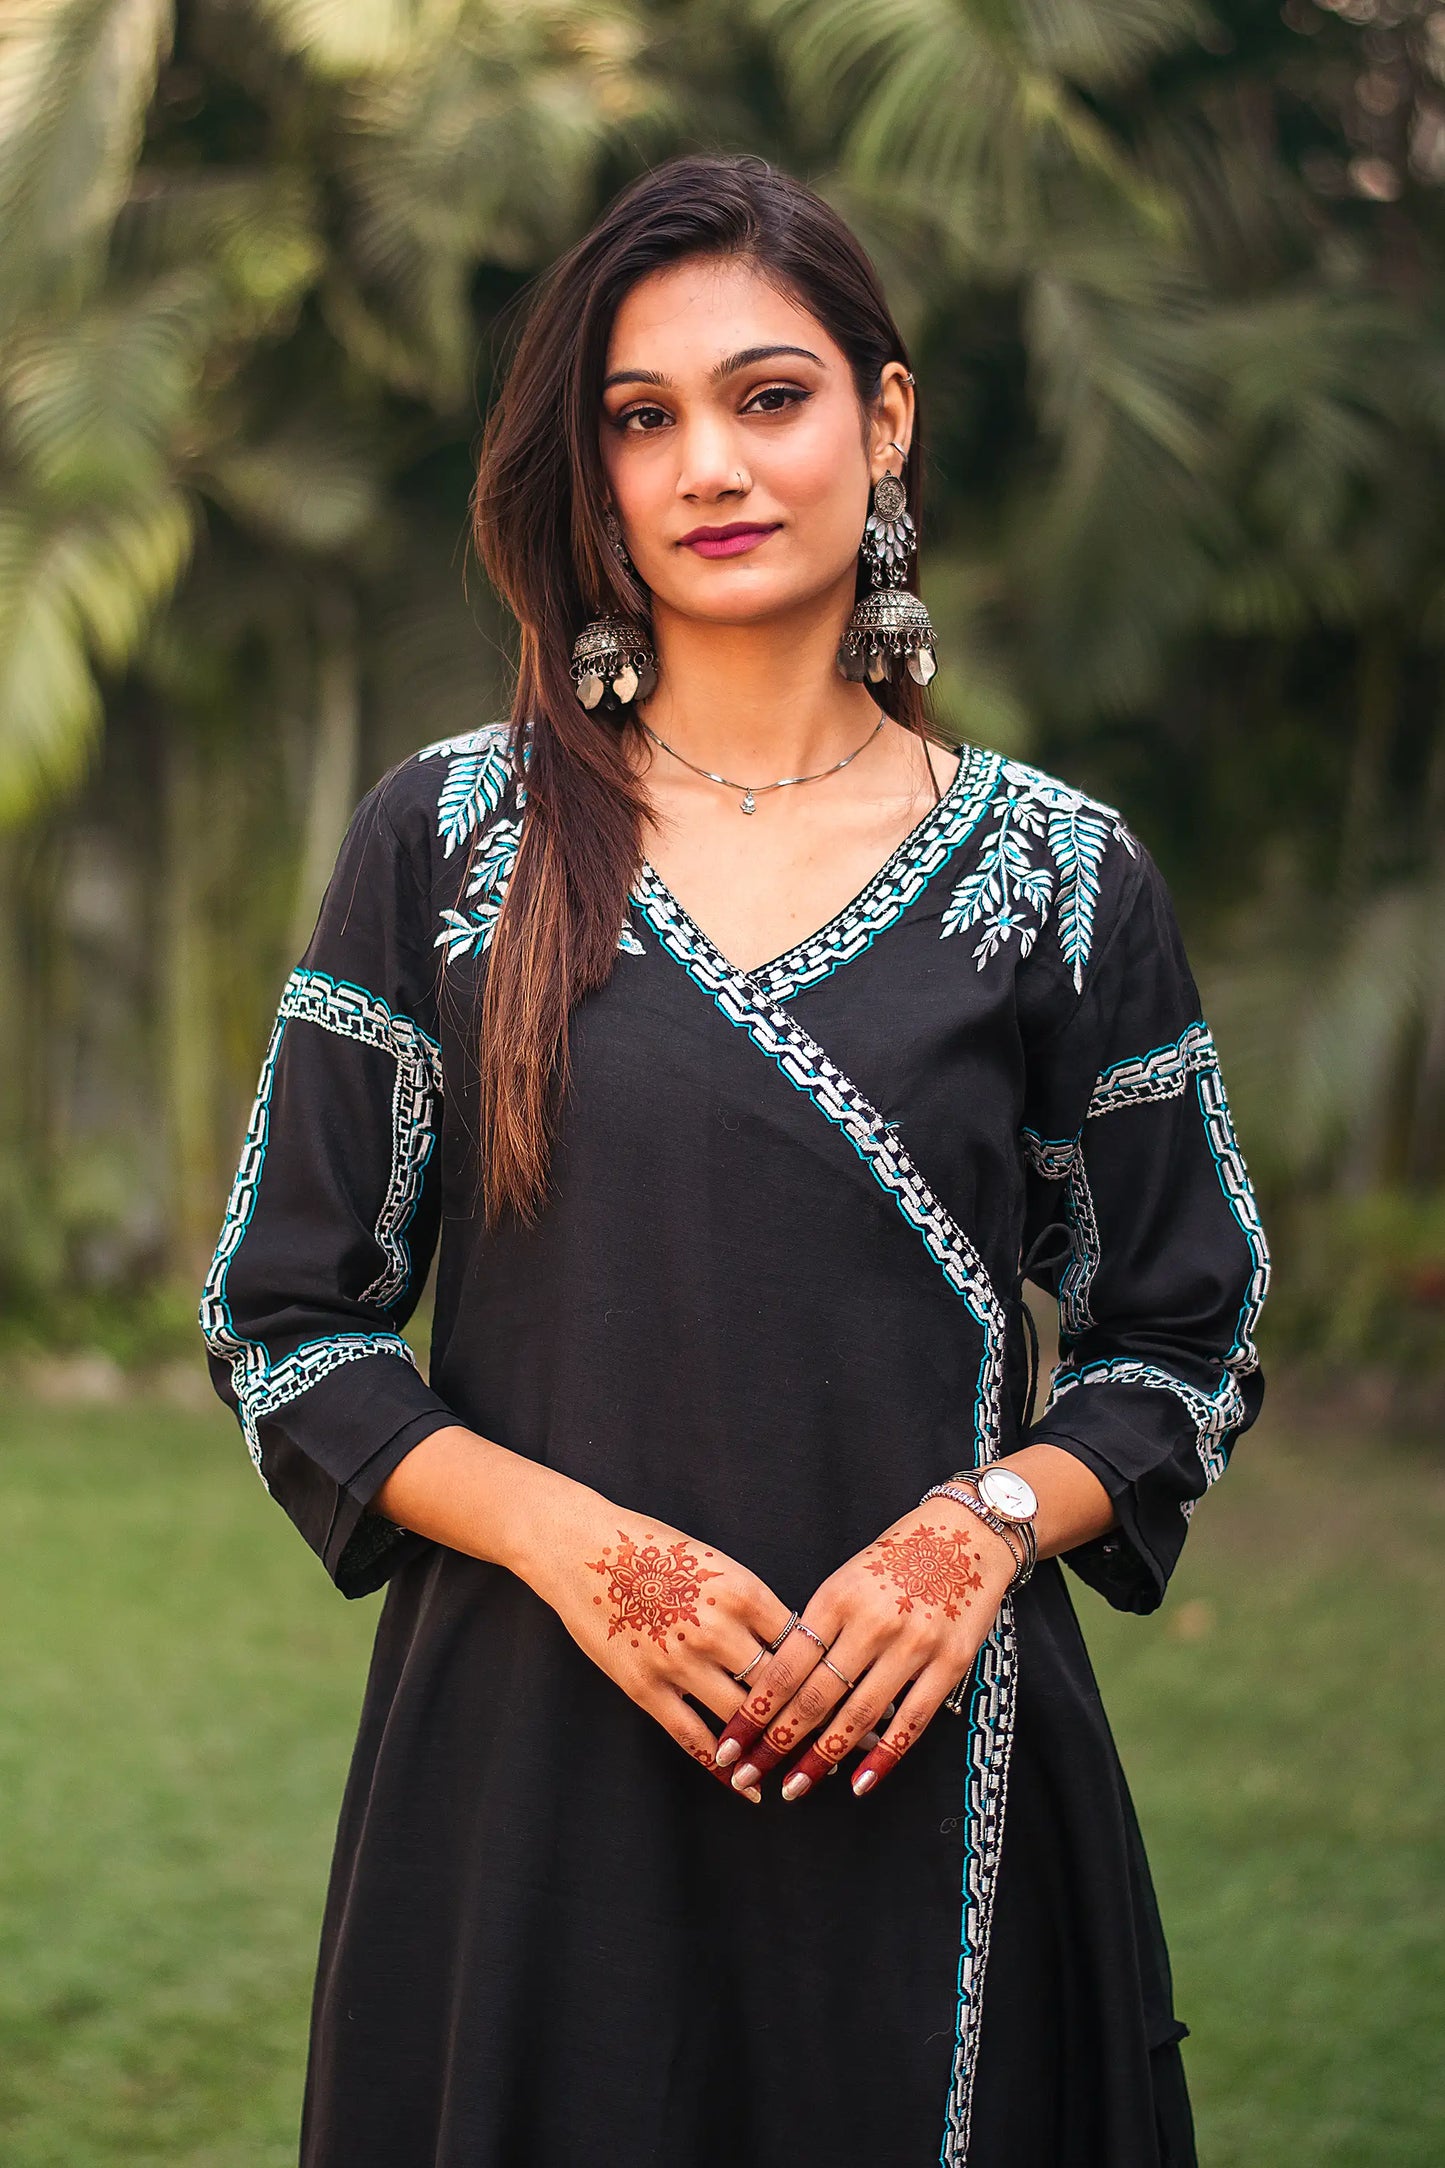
<point>188,1007</point>
<point>332,791</point>
<point>1377,677</point>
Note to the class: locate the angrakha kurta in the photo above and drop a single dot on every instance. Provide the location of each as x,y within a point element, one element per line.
<point>773,1296</point>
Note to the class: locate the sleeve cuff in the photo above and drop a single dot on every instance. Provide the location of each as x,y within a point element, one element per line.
<point>357,1410</point>
<point>363,1549</point>
<point>1121,1565</point>
<point>331,1449</point>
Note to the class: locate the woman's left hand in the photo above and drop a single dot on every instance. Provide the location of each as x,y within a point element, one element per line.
<point>903,1620</point>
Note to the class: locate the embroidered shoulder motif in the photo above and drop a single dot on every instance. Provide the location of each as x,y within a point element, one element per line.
<point>479,767</point>
<point>468,933</point>
<point>1045,845</point>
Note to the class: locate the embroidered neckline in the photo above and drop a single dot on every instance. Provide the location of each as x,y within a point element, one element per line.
<point>878,903</point>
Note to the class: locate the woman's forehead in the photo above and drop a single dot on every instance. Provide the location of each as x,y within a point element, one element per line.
<point>691,318</point>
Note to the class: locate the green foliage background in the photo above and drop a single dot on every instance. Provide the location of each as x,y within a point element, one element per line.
<point>1170,274</point>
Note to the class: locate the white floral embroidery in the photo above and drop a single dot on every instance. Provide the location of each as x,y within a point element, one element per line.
<point>1008,893</point>
<point>469,932</point>
<point>479,774</point>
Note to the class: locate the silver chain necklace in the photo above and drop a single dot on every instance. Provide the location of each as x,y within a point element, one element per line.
<point>750,791</point>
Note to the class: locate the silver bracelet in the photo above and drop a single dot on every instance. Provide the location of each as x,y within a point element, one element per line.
<point>1023,1566</point>
<point>1026,1531</point>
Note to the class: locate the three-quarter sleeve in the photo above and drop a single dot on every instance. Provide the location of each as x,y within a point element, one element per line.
<point>1129,1141</point>
<point>333,1215</point>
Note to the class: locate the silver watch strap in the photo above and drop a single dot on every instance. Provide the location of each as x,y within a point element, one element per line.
<point>1025,1528</point>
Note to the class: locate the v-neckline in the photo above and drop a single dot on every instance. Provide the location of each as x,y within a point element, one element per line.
<point>801,957</point>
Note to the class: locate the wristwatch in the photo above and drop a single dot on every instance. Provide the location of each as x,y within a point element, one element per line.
<point>1006,1502</point>
<point>1012,1499</point>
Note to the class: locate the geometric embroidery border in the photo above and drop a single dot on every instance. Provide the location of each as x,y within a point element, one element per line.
<point>262,1385</point>
<point>989,1748</point>
<point>1164,1073</point>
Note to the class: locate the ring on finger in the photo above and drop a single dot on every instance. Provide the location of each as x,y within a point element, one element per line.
<point>774,1646</point>
<point>829,1665</point>
<point>823,1645</point>
<point>751,1665</point>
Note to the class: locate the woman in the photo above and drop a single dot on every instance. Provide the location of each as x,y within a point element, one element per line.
<point>740,1038</point>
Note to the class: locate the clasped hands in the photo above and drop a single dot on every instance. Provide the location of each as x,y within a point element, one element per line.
<point>900,1623</point>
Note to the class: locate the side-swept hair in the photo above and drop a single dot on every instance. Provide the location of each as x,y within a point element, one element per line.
<point>537,517</point>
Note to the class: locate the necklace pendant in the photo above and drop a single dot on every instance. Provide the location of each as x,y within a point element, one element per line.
<point>750,803</point>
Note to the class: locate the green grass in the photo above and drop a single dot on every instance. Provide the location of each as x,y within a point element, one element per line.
<point>1280,1720</point>
<point>179,1696</point>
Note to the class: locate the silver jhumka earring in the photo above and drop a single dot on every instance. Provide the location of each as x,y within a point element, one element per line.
<point>612,657</point>
<point>890,624</point>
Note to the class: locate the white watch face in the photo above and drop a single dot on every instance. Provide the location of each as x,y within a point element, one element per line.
<point>1009,1495</point>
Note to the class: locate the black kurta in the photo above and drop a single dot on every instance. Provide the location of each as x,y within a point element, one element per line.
<point>773,1298</point>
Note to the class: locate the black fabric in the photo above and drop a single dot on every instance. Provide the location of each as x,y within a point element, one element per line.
<point>773,1296</point>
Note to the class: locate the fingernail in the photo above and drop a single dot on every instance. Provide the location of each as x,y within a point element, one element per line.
<point>864,1779</point>
<point>745,1776</point>
<point>798,1783</point>
<point>868,1741</point>
<point>754,1794</point>
<point>727,1752</point>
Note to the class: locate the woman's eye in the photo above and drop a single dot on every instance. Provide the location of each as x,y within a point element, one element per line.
<point>789,394</point>
<point>633,414</point>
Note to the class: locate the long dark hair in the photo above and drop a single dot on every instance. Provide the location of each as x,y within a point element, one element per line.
<point>537,517</point>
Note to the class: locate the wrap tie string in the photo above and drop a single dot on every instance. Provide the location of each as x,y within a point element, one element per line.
<point>1052,1246</point>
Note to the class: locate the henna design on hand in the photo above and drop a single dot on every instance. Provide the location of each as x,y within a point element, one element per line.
<point>650,1588</point>
<point>933,1566</point>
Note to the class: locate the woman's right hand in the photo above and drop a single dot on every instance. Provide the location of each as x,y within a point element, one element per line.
<point>663,1614</point>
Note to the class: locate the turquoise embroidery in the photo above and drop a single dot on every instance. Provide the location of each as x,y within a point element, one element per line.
<point>262,1385</point>
<point>1008,893</point>
<point>468,933</point>
<point>1139,1080</point>
<point>942,832</point>
<point>777,1033</point>
<point>478,772</point>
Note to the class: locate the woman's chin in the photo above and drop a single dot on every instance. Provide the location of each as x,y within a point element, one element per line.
<point>738,602</point>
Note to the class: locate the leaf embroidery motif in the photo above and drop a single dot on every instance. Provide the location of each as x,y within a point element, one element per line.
<point>477,777</point>
<point>1077,841</point>
<point>1009,891</point>
<point>468,933</point>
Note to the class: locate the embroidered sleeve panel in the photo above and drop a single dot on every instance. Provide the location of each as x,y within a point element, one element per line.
<point>333,1213</point>
<point>1129,1141</point>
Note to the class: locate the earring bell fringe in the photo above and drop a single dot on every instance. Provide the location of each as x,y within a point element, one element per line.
<point>886,629</point>
<point>612,664</point>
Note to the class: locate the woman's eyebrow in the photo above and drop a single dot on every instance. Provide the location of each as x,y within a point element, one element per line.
<point>726,367</point>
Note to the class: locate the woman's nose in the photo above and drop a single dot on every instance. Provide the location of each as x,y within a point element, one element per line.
<point>709,464</point>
